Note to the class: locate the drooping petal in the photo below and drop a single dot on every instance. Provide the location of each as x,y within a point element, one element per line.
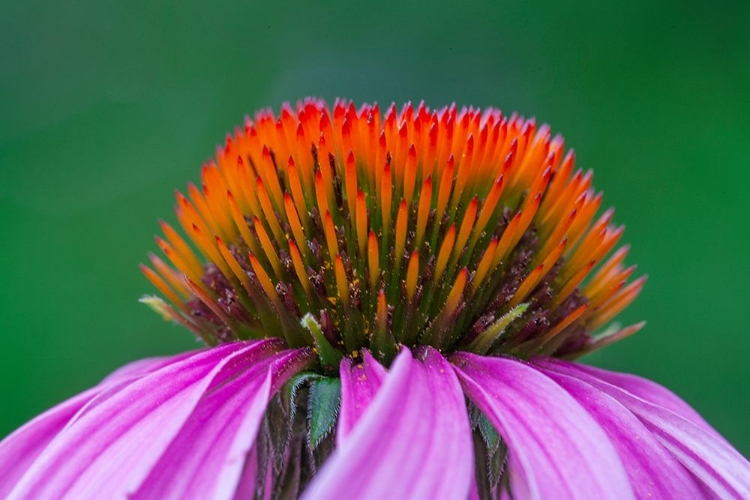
<point>556,449</point>
<point>20,449</point>
<point>113,445</point>
<point>138,368</point>
<point>413,441</point>
<point>652,470</point>
<point>207,457</point>
<point>359,384</point>
<point>713,461</point>
<point>653,393</point>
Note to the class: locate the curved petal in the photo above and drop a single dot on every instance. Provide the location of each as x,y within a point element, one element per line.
<point>21,448</point>
<point>207,457</point>
<point>556,449</point>
<point>713,461</point>
<point>652,470</point>
<point>359,384</point>
<point>413,441</point>
<point>146,365</point>
<point>653,393</point>
<point>113,445</point>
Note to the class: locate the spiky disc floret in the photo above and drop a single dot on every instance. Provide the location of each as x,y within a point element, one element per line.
<point>459,229</point>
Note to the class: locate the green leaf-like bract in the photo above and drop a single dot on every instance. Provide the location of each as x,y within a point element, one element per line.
<point>322,408</point>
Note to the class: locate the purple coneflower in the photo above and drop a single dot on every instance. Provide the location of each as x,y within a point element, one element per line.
<point>391,305</point>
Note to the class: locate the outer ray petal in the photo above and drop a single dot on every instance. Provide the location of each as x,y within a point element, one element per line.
<point>113,445</point>
<point>653,393</point>
<point>652,470</point>
<point>359,385</point>
<point>713,461</point>
<point>207,457</point>
<point>146,365</point>
<point>413,441</point>
<point>19,450</point>
<point>556,449</point>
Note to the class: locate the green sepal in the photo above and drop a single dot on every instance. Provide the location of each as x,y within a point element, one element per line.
<point>322,409</point>
<point>489,434</point>
<point>291,389</point>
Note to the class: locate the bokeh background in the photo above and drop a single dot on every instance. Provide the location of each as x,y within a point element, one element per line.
<point>107,106</point>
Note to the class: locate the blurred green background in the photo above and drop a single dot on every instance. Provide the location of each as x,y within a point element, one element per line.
<point>106,107</point>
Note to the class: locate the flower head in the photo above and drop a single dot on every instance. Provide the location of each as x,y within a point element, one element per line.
<point>457,229</point>
<point>390,302</point>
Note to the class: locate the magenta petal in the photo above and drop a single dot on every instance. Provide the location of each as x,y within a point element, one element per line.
<point>20,449</point>
<point>113,446</point>
<point>207,457</point>
<point>653,393</point>
<point>359,384</point>
<point>143,366</point>
<point>652,470</point>
<point>413,441</point>
<point>556,449</point>
<point>712,460</point>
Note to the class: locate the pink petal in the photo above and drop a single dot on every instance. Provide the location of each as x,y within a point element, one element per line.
<point>207,457</point>
<point>653,393</point>
<point>652,470</point>
<point>113,446</point>
<point>413,441</point>
<point>713,461</point>
<point>20,449</point>
<point>556,449</point>
<point>359,384</point>
<point>146,365</point>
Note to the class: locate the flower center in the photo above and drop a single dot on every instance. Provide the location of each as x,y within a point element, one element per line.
<point>460,229</point>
